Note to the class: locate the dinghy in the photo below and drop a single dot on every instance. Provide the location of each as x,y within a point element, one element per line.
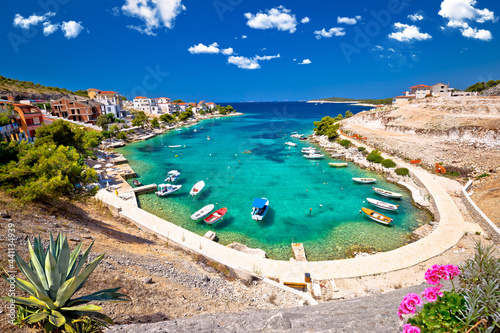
<point>388,194</point>
<point>377,217</point>
<point>382,204</point>
<point>197,188</point>
<point>172,176</point>
<point>202,212</point>
<point>338,165</point>
<point>314,156</point>
<point>166,189</point>
<point>176,146</point>
<point>308,150</point>
<point>136,182</point>
<point>218,215</point>
<point>260,207</point>
<point>364,180</point>
<point>295,135</point>
<point>291,144</point>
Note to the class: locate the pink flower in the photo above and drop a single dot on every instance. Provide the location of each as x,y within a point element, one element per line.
<point>452,271</point>
<point>432,293</point>
<point>410,329</point>
<point>436,273</point>
<point>409,304</point>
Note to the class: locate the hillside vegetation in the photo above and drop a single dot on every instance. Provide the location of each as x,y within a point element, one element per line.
<point>13,85</point>
<point>481,86</point>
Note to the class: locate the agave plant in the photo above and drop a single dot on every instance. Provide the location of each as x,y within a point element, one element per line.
<point>54,276</point>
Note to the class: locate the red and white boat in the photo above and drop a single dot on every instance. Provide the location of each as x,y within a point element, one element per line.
<point>216,216</point>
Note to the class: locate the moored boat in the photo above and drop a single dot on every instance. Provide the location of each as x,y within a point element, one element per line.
<point>216,216</point>
<point>307,150</point>
<point>172,176</point>
<point>175,146</point>
<point>291,144</point>
<point>314,156</point>
<point>338,165</point>
<point>388,194</point>
<point>166,189</point>
<point>303,139</point>
<point>364,180</point>
<point>382,204</point>
<point>377,217</point>
<point>260,207</point>
<point>197,188</point>
<point>202,212</point>
<point>136,182</point>
<point>296,135</point>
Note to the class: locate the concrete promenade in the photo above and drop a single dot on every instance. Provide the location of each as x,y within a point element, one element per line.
<point>450,229</point>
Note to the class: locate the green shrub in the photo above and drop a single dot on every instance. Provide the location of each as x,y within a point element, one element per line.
<point>364,152</point>
<point>483,175</point>
<point>361,148</point>
<point>402,171</point>
<point>121,136</point>
<point>345,143</point>
<point>388,163</point>
<point>375,157</point>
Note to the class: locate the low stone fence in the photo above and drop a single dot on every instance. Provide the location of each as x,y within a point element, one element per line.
<point>481,218</point>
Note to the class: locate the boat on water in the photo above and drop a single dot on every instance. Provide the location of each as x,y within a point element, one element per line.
<point>364,180</point>
<point>382,204</point>
<point>314,156</point>
<point>202,212</point>
<point>307,150</point>
<point>377,217</point>
<point>296,135</point>
<point>338,165</point>
<point>338,155</point>
<point>303,139</point>
<point>388,194</point>
<point>216,216</point>
<point>260,207</point>
<point>176,146</point>
<point>136,182</point>
<point>197,188</point>
<point>166,189</point>
<point>291,144</point>
<point>172,176</point>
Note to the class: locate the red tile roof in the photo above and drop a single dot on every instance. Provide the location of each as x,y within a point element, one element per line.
<point>140,97</point>
<point>107,93</point>
<point>420,86</point>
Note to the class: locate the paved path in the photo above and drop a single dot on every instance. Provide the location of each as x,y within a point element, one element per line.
<point>374,314</point>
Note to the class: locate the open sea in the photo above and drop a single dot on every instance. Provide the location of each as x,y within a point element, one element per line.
<point>293,184</point>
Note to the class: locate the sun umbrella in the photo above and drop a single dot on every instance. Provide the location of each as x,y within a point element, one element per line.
<point>110,170</point>
<point>109,165</point>
<point>97,166</point>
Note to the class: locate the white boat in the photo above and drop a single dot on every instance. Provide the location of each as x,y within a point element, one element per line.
<point>260,207</point>
<point>308,150</point>
<point>291,144</point>
<point>386,193</point>
<point>176,146</point>
<point>202,212</point>
<point>364,180</point>
<point>382,204</point>
<point>166,189</point>
<point>197,188</point>
<point>296,135</point>
<point>314,156</point>
<point>172,176</point>
<point>338,165</point>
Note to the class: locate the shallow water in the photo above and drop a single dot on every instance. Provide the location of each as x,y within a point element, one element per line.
<point>273,170</point>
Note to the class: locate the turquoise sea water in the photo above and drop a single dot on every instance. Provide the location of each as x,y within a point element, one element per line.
<point>273,170</point>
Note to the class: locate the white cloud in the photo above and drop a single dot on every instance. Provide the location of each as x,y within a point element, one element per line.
<point>201,48</point>
<point>115,11</point>
<point>348,20</point>
<point>49,28</point>
<point>227,51</point>
<point>244,37</point>
<point>249,63</point>
<point>462,10</point>
<point>279,18</point>
<point>71,29</point>
<point>154,13</point>
<point>378,48</point>
<point>305,20</point>
<point>305,62</point>
<point>295,59</point>
<point>415,17</point>
<point>330,33</point>
<point>26,23</point>
<point>391,50</point>
<point>477,34</point>
<point>407,33</point>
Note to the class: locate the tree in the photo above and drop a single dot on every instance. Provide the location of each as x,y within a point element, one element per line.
<point>114,130</point>
<point>140,118</point>
<point>178,101</point>
<point>168,118</point>
<point>103,122</point>
<point>4,119</point>
<point>348,114</point>
<point>124,98</point>
<point>155,123</point>
<point>121,136</point>
<point>111,117</point>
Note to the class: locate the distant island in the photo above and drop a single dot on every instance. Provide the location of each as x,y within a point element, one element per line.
<point>383,101</point>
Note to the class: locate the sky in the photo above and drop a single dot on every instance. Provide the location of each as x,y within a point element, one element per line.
<point>242,50</point>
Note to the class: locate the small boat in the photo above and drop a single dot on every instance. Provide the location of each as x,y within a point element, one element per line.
<point>197,188</point>
<point>172,176</point>
<point>260,207</point>
<point>216,216</point>
<point>338,155</point>
<point>382,204</point>
<point>291,144</point>
<point>176,146</point>
<point>338,165</point>
<point>364,180</point>
<point>202,212</point>
<point>308,150</point>
<point>314,156</point>
<point>386,193</point>
<point>296,135</point>
<point>136,182</point>
<point>166,189</point>
<point>377,217</point>
<point>303,139</point>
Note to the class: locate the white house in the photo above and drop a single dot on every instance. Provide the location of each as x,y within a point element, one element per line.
<point>441,90</point>
<point>148,105</point>
<point>112,103</point>
<point>165,105</point>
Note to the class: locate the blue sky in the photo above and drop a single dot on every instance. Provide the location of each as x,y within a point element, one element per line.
<point>241,50</point>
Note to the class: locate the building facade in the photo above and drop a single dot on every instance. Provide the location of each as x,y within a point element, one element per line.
<point>77,108</point>
<point>9,128</point>
<point>165,105</point>
<point>112,102</point>
<point>148,105</point>
<point>29,118</point>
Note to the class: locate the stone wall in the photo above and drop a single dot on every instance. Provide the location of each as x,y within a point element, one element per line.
<point>481,218</point>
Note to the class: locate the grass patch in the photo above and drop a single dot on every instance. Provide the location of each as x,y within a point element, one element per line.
<point>483,176</point>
